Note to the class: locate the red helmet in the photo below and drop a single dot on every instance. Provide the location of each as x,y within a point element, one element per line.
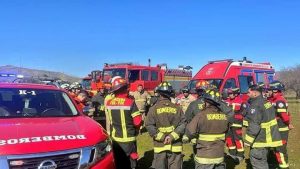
<point>202,85</point>
<point>117,83</point>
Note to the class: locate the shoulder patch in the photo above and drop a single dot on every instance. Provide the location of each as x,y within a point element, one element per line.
<point>280,105</point>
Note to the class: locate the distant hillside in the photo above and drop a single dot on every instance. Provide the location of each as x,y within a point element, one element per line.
<point>35,74</point>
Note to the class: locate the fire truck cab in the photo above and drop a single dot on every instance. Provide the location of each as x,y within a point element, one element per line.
<point>148,76</point>
<point>226,74</point>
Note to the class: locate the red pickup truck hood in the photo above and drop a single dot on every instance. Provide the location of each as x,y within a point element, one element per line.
<point>37,135</point>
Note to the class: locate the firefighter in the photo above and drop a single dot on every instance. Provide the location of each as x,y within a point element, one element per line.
<point>98,104</point>
<point>155,98</point>
<point>185,99</point>
<point>141,98</point>
<point>165,123</point>
<point>81,100</point>
<point>234,138</point>
<point>209,127</point>
<point>276,97</point>
<point>197,105</point>
<point>125,121</point>
<point>262,134</point>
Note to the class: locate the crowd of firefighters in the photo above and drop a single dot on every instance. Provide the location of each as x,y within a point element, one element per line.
<point>211,122</point>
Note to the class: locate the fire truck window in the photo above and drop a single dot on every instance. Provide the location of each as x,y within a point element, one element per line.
<point>245,82</point>
<point>270,77</point>
<point>133,75</point>
<point>145,75</point>
<point>260,77</point>
<point>154,76</point>
<point>230,83</point>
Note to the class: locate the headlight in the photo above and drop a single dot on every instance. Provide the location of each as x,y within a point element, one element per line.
<point>100,150</point>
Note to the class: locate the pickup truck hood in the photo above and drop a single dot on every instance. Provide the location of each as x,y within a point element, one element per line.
<point>37,135</point>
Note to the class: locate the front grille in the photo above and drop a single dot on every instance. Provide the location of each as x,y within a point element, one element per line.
<point>63,161</point>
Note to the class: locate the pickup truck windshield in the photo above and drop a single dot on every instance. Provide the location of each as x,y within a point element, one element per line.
<point>35,103</point>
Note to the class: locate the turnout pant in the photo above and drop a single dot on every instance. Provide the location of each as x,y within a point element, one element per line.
<point>209,166</point>
<point>168,160</point>
<point>281,152</point>
<point>123,153</point>
<point>234,141</point>
<point>258,158</point>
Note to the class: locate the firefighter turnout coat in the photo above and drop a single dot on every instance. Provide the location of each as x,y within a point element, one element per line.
<point>166,119</point>
<point>263,129</point>
<point>209,127</point>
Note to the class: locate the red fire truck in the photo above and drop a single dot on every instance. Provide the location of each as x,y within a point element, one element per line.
<point>230,74</point>
<point>149,76</point>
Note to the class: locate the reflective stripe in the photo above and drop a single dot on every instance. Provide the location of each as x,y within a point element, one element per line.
<point>281,110</point>
<point>194,141</point>
<point>169,147</point>
<point>249,138</point>
<point>118,107</point>
<point>123,123</point>
<point>211,137</point>
<point>284,129</point>
<point>119,139</point>
<point>236,125</point>
<point>140,100</point>
<point>241,149</point>
<point>209,160</point>
<point>166,129</point>
<point>176,149</point>
<point>283,163</point>
<point>232,148</point>
<point>175,135</point>
<point>159,136</point>
<point>137,113</point>
<point>109,116</point>
<point>269,124</point>
<point>245,123</point>
<point>268,144</point>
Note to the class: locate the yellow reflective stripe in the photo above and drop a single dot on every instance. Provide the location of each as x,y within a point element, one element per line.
<point>281,110</point>
<point>137,113</point>
<point>283,162</point>
<point>236,125</point>
<point>194,141</point>
<point>140,100</point>
<point>268,144</point>
<point>120,139</point>
<point>269,124</point>
<point>175,135</point>
<point>209,160</point>
<point>166,129</point>
<point>249,138</point>
<point>245,123</point>
<point>109,116</point>
<point>161,149</point>
<point>159,136</point>
<point>176,149</point>
<point>284,129</point>
<point>123,123</point>
<point>169,147</point>
<point>211,137</point>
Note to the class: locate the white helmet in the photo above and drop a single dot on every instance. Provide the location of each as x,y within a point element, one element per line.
<point>65,86</point>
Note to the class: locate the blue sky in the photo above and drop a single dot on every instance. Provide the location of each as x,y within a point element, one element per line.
<point>77,36</point>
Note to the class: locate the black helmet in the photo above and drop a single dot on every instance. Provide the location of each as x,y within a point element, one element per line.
<point>165,88</point>
<point>256,87</point>
<point>212,96</point>
<point>277,85</point>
